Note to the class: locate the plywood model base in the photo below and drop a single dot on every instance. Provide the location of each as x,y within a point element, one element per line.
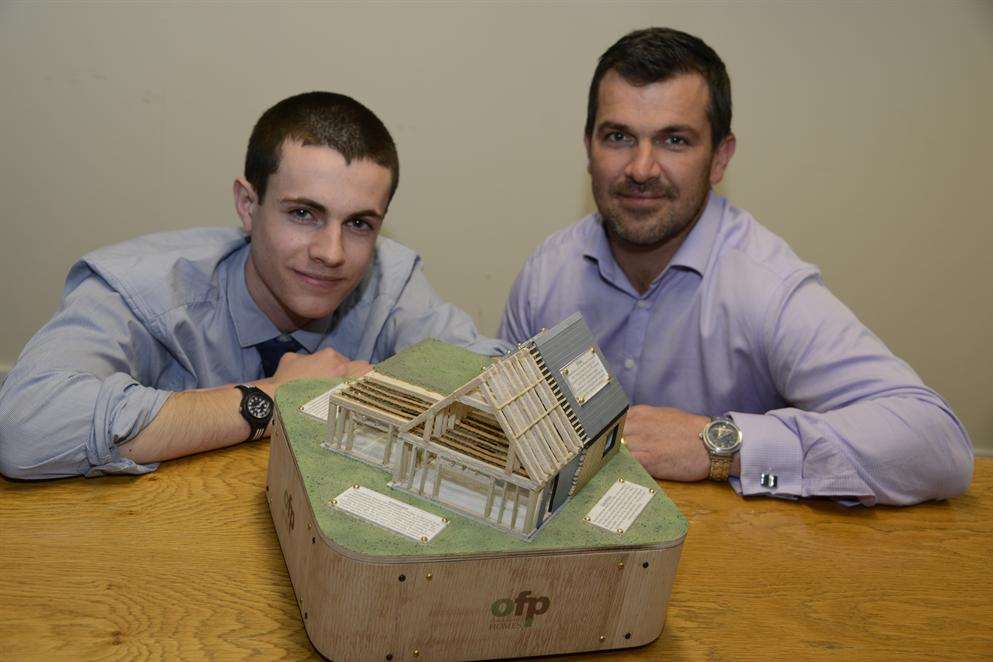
<point>473,592</point>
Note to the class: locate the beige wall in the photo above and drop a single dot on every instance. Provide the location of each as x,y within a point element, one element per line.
<point>864,135</point>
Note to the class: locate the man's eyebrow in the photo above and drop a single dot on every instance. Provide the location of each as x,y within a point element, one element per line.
<point>668,129</point>
<point>366,213</point>
<point>306,202</point>
<point>614,126</point>
<point>678,128</point>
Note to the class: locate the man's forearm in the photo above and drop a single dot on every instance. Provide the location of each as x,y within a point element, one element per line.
<point>896,450</point>
<point>191,422</point>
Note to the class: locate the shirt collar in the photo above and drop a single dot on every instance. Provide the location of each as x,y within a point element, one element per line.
<point>597,247</point>
<point>251,325</point>
<point>693,254</point>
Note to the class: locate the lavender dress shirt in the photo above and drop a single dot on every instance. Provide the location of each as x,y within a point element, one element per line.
<point>171,312</point>
<point>737,324</point>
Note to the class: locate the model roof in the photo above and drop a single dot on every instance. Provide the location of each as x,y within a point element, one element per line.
<point>596,403</point>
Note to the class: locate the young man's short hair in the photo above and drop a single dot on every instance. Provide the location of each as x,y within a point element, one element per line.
<point>319,118</point>
<point>654,55</point>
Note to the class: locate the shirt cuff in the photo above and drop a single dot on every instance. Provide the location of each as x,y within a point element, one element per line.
<point>771,458</point>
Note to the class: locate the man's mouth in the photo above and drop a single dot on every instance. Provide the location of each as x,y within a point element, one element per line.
<point>323,281</point>
<point>641,200</point>
<point>643,196</point>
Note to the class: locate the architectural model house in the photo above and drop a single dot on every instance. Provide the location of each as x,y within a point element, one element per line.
<point>503,482</point>
<point>509,446</point>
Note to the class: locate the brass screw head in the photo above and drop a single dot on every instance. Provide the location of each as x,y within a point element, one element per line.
<point>429,576</point>
<point>620,565</point>
<point>603,638</point>
<point>417,652</point>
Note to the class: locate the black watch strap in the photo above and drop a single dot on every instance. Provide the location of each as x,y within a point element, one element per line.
<point>256,409</point>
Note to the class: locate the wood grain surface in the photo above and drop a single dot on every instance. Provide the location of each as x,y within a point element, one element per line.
<point>184,564</point>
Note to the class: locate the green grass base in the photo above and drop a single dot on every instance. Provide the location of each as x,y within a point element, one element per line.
<point>327,474</point>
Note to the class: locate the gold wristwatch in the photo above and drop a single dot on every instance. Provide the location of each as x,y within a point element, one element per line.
<point>722,439</point>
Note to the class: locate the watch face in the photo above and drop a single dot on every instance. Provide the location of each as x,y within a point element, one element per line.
<point>723,436</point>
<point>258,406</point>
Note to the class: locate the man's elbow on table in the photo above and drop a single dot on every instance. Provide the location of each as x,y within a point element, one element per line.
<point>945,482</point>
<point>28,443</point>
<point>953,477</point>
<point>940,465</point>
<point>18,456</point>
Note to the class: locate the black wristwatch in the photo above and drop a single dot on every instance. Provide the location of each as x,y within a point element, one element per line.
<point>256,408</point>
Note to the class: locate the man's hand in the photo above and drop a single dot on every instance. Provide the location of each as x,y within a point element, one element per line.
<point>667,442</point>
<point>324,364</point>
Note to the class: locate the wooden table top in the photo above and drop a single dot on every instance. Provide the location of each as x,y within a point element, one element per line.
<point>184,564</point>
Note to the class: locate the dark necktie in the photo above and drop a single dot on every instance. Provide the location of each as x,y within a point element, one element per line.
<point>272,350</point>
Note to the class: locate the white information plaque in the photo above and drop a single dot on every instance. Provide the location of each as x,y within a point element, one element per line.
<point>389,513</point>
<point>586,375</point>
<point>617,510</point>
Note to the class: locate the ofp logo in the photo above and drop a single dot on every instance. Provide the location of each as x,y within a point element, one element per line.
<point>522,605</point>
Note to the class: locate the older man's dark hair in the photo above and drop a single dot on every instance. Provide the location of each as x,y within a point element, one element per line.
<point>319,118</point>
<point>655,55</point>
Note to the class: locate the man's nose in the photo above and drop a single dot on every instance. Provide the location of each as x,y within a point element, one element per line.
<point>327,246</point>
<point>644,165</point>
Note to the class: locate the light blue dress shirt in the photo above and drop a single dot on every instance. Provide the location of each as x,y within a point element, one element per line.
<point>171,312</point>
<point>737,324</point>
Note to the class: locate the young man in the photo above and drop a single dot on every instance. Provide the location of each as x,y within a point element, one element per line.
<point>704,313</point>
<point>175,343</point>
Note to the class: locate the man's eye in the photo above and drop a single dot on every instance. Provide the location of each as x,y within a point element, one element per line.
<point>615,137</point>
<point>359,224</point>
<point>301,214</point>
<point>678,141</point>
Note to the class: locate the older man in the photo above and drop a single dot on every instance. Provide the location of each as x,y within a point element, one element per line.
<point>740,361</point>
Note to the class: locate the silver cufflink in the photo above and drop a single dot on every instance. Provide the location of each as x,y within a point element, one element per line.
<point>768,480</point>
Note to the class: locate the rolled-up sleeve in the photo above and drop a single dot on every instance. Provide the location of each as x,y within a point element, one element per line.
<point>862,426</point>
<point>76,391</point>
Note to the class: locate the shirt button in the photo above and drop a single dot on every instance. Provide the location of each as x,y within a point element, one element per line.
<point>642,303</point>
<point>768,480</point>
<point>628,363</point>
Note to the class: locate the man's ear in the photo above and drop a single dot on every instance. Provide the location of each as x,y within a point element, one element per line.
<point>245,203</point>
<point>722,156</point>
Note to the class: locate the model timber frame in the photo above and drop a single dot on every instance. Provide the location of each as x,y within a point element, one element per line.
<point>508,447</point>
